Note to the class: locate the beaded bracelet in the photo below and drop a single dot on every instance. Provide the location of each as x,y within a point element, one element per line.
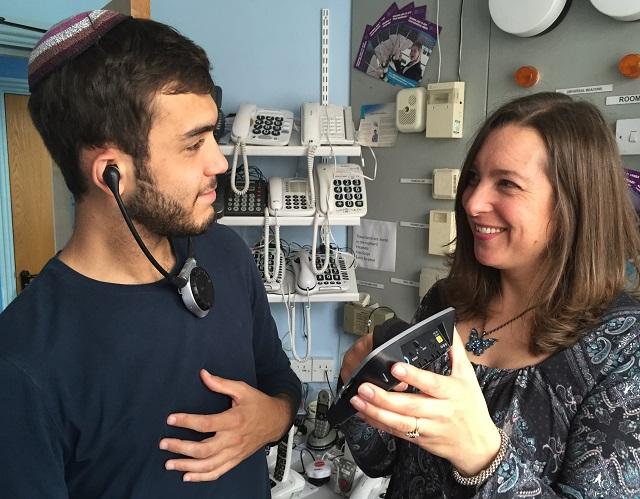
<point>481,477</point>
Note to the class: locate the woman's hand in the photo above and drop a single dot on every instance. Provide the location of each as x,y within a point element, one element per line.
<point>449,412</point>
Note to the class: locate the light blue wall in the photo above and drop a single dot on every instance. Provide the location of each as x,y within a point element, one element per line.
<point>269,53</point>
<point>266,52</point>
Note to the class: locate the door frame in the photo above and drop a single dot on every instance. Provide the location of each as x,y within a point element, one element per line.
<point>7,256</point>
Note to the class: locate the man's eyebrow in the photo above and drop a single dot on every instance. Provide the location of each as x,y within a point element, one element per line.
<point>194,132</point>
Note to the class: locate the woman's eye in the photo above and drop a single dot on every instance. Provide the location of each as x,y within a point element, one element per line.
<point>473,178</point>
<point>508,183</point>
<point>196,146</point>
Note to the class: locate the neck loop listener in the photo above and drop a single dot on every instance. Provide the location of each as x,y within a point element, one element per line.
<point>193,282</point>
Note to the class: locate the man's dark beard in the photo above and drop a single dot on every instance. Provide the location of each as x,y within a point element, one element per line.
<point>160,214</point>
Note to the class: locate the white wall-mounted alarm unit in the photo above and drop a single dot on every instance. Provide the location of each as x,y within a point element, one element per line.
<point>622,10</point>
<point>528,17</point>
<point>445,110</point>
<point>442,230</point>
<point>410,109</point>
<point>445,183</point>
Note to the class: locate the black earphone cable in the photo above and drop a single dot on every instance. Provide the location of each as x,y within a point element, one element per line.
<point>112,178</point>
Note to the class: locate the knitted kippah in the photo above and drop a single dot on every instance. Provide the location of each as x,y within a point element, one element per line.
<point>67,39</point>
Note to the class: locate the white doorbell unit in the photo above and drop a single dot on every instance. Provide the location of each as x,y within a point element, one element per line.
<point>442,230</point>
<point>445,110</point>
<point>410,109</point>
<point>445,183</point>
<point>622,10</point>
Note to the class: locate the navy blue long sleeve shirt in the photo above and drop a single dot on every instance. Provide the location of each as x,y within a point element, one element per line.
<point>89,372</point>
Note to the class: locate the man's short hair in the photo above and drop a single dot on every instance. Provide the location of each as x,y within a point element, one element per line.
<point>102,95</point>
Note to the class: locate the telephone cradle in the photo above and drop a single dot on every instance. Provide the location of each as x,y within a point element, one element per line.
<point>420,345</point>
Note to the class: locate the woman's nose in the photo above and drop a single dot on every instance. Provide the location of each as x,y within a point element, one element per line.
<point>476,199</point>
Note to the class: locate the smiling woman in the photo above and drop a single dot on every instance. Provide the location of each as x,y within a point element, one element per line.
<point>539,402</point>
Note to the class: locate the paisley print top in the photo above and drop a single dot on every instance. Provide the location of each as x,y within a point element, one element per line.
<point>573,423</point>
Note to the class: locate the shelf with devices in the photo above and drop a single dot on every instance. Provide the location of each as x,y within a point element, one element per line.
<point>330,194</point>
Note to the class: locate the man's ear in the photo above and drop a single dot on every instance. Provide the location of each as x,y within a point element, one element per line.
<point>108,168</point>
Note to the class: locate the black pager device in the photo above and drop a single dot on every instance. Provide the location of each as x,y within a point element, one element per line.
<point>420,345</point>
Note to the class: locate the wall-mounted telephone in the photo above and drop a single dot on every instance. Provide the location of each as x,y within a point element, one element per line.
<point>328,124</point>
<point>335,279</point>
<point>270,127</point>
<point>290,197</point>
<point>251,204</point>
<point>275,285</point>
<point>341,190</point>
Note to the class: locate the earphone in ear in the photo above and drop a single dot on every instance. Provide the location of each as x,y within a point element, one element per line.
<point>111,177</point>
<point>193,282</point>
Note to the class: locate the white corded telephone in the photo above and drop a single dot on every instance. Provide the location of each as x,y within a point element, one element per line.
<point>267,127</point>
<point>258,127</point>
<point>328,124</point>
<point>341,190</point>
<point>290,197</point>
<point>335,279</point>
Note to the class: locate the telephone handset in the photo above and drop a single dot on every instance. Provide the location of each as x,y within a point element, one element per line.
<point>290,197</point>
<point>269,127</point>
<point>328,124</point>
<point>335,279</point>
<point>341,190</point>
<point>306,283</point>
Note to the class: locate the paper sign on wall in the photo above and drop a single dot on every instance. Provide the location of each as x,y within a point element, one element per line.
<point>374,244</point>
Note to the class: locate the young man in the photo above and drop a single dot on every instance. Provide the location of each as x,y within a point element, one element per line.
<point>114,369</point>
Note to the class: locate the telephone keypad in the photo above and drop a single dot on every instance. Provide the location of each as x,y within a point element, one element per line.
<point>259,259</point>
<point>271,128</point>
<point>345,191</point>
<point>335,278</point>
<point>250,204</point>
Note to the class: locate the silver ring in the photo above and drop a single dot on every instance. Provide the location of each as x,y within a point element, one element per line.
<point>415,433</point>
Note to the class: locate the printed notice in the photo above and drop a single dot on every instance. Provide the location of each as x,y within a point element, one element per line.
<point>374,244</point>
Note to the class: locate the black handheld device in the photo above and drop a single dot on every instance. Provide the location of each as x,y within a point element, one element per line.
<point>420,345</point>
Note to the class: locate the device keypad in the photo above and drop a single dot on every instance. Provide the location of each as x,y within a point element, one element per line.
<point>269,126</point>
<point>296,201</point>
<point>250,204</point>
<point>347,192</point>
<point>336,274</point>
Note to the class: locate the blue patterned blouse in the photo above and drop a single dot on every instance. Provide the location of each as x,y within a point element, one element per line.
<point>573,423</point>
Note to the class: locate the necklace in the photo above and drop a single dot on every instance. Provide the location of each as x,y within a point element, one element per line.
<point>477,343</point>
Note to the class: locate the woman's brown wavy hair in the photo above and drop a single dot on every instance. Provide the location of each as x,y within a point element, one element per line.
<point>595,228</point>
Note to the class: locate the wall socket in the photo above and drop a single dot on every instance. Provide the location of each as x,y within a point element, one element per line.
<point>302,368</point>
<point>312,370</point>
<point>322,369</point>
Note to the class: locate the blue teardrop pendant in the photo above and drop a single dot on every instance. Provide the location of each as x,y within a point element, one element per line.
<point>477,343</point>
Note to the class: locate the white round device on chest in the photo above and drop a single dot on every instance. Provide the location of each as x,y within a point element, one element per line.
<point>527,17</point>
<point>622,10</point>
